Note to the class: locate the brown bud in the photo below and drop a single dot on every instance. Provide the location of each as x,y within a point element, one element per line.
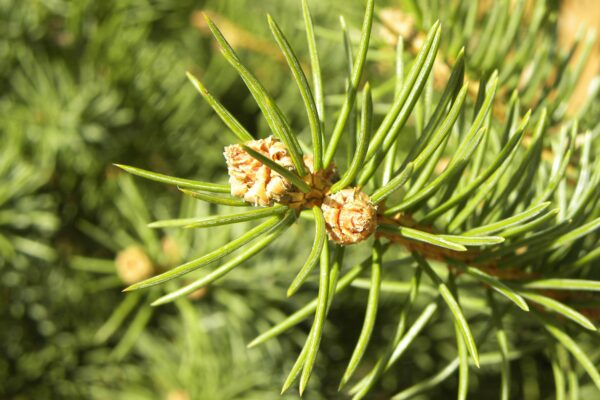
<point>350,216</point>
<point>178,394</point>
<point>319,182</point>
<point>258,184</point>
<point>397,23</point>
<point>133,265</point>
<point>252,180</point>
<point>171,254</point>
<point>198,293</point>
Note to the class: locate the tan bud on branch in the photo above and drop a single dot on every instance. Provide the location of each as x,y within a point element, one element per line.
<point>350,216</point>
<point>133,265</point>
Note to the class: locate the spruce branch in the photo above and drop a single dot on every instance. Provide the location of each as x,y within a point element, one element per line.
<point>466,197</point>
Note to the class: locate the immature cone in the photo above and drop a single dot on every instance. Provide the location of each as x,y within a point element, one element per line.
<point>350,216</point>
<point>133,265</point>
<point>252,180</point>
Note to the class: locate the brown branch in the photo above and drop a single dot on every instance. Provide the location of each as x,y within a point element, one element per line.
<point>436,253</point>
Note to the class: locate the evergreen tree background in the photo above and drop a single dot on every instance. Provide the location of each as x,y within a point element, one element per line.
<point>85,84</point>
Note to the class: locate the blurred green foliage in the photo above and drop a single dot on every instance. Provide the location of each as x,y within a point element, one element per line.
<point>86,84</point>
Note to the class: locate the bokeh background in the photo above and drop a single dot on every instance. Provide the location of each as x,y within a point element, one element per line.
<point>85,84</point>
